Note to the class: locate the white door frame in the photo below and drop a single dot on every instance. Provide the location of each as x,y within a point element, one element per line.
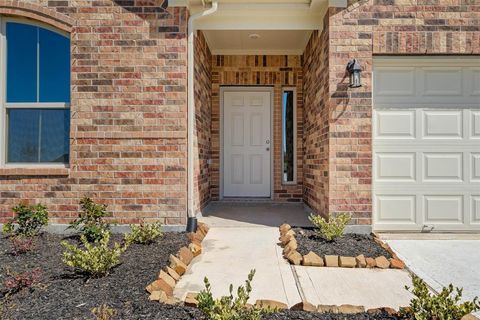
<point>270,89</point>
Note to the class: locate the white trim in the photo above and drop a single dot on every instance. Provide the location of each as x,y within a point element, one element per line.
<point>4,106</point>
<point>250,21</point>
<point>40,105</point>
<point>425,61</point>
<point>3,77</point>
<point>270,89</point>
<point>294,181</point>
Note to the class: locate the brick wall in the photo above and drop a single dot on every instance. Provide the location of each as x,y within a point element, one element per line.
<point>203,116</point>
<point>128,110</point>
<point>366,28</point>
<point>316,122</point>
<point>273,71</point>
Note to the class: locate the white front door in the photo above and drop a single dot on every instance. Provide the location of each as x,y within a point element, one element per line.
<point>246,143</point>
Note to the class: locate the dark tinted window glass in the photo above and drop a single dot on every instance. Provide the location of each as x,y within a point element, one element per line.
<point>54,67</point>
<point>55,131</point>
<point>23,139</point>
<point>288,137</point>
<point>38,135</point>
<point>21,63</point>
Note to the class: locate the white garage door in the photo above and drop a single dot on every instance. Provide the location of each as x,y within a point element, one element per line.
<point>426,142</point>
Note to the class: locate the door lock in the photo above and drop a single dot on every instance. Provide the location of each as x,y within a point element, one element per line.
<point>268,141</point>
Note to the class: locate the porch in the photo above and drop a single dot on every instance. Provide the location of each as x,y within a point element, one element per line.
<point>252,137</point>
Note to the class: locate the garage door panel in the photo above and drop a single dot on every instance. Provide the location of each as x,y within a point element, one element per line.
<point>395,81</point>
<point>475,124</point>
<point>426,143</point>
<point>442,124</point>
<point>442,166</point>
<point>475,172</point>
<point>393,208</point>
<point>440,209</point>
<point>395,124</point>
<point>395,166</point>
<point>474,77</point>
<point>475,205</point>
<point>438,81</point>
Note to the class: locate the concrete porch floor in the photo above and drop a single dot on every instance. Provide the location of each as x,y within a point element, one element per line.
<point>233,213</point>
<point>244,236</point>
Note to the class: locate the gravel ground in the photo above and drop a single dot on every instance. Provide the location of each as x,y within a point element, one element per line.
<point>63,295</point>
<point>350,245</point>
<point>302,315</point>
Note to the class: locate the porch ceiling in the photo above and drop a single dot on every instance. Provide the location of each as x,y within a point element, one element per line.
<point>237,42</point>
<point>259,15</point>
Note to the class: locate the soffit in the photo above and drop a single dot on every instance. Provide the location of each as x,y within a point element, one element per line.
<point>271,42</point>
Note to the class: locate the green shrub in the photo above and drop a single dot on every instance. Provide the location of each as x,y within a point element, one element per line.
<point>90,221</point>
<point>144,233</point>
<point>96,259</point>
<point>442,306</point>
<point>228,307</point>
<point>30,220</point>
<point>332,229</point>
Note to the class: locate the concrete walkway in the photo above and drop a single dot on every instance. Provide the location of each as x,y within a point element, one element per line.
<point>228,256</point>
<point>441,262</point>
<point>371,288</point>
<point>237,244</point>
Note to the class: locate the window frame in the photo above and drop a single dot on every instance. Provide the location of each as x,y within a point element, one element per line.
<point>4,106</point>
<point>294,90</point>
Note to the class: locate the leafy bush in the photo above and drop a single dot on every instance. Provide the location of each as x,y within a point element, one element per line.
<point>90,221</point>
<point>144,233</point>
<point>30,220</point>
<point>444,306</point>
<point>97,259</point>
<point>18,281</point>
<point>103,312</point>
<point>228,307</point>
<point>332,229</point>
<point>21,244</point>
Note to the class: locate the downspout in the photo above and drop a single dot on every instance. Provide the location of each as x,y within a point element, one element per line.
<point>192,219</point>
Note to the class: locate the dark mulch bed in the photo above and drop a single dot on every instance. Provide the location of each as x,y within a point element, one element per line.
<point>64,295</point>
<point>302,315</point>
<point>350,245</point>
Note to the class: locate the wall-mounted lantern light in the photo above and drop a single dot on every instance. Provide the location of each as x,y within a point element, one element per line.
<point>354,69</point>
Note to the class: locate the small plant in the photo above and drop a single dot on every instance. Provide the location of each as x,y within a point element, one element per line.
<point>90,221</point>
<point>30,220</point>
<point>442,306</point>
<point>21,244</point>
<point>97,259</point>
<point>18,281</point>
<point>228,307</point>
<point>103,312</point>
<point>144,233</point>
<point>332,229</point>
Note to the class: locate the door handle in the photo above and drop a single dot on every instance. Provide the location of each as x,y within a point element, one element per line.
<point>268,149</point>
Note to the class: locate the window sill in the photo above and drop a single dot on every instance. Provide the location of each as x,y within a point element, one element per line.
<point>34,171</point>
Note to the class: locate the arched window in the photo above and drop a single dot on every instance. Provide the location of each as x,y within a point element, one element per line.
<point>34,93</point>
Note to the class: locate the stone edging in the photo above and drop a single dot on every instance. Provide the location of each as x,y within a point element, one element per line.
<point>289,244</point>
<point>162,288</point>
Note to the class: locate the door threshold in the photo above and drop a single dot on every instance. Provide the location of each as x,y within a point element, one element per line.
<point>246,199</point>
